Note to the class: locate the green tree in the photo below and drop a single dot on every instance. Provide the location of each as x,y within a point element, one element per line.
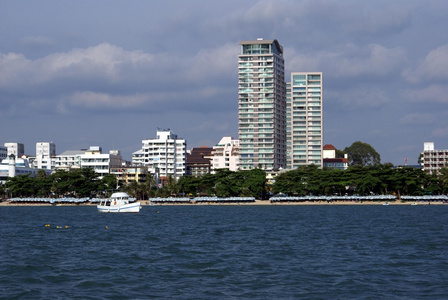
<point>443,176</point>
<point>362,154</point>
<point>188,185</point>
<point>21,186</point>
<point>254,184</point>
<point>109,182</point>
<point>42,183</point>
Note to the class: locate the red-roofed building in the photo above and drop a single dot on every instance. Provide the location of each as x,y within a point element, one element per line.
<point>331,161</point>
<point>199,161</point>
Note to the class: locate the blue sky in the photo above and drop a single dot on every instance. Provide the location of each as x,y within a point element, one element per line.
<point>109,73</point>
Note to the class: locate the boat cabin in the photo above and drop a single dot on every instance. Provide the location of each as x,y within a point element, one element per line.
<point>117,199</point>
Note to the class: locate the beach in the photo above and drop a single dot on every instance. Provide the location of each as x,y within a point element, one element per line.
<point>256,202</point>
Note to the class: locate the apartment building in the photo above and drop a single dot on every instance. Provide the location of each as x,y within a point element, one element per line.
<point>261,105</point>
<point>165,155</point>
<point>226,154</point>
<point>433,160</point>
<point>100,162</point>
<point>45,154</point>
<point>17,149</point>
<point>304,120</point>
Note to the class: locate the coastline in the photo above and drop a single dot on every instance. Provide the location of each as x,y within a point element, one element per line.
<point>257,202</point>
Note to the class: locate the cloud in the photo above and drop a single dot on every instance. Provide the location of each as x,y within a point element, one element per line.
<point>434,93</point>
<point>417,119</point>
<point>111,78</point>
<point>350,61</point>
<point>433,68</point>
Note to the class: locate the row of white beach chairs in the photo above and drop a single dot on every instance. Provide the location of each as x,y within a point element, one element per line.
<point>201,199</point>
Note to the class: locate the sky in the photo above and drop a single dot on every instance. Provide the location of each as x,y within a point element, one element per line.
<point>109,73</point>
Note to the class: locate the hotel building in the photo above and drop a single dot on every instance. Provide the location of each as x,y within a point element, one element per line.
<point>226,154</point>
<point>304,120</point>
<point>16,149</point>
<point>164,156</point>
<point>261,105</point>
<point>433,160</point>
<point>100,162</point>
<point>45,154</point>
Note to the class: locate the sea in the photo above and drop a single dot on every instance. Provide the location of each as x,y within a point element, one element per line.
<point>225,252</point>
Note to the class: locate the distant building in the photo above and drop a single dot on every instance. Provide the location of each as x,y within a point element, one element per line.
<point>433,160</point>
<point>331,161</point>
<point>138,158</point>
<point>17,149</point>
<point>226,154</point>
<point>93,158</point>
<point>45,155</point>
<point>126,175</point>
<point>199,161</point>
<point>164,156</point>
<point>101,162</point>
<point>3,152</point>
<point>12,167</point>
<point>304,119</point>
<point>67,160</point>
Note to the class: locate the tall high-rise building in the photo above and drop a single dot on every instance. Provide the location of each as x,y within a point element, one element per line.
<point>261,105</point>
<point>304,119</point>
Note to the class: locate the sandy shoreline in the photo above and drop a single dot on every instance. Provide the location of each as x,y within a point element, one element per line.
<point>257,202</point>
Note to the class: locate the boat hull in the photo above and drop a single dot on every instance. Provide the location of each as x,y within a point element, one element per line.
<point>126,208</point>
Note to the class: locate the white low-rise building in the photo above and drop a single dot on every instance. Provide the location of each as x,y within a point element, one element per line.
<point>12,167</point>
<point>67,160</point>
<point>164,156</point>
<point>100,162</point>
<point>16,149</point>
<point>45,155</point>
<point>226,154</point>
<point>138,158</point>
<point>433,160</point>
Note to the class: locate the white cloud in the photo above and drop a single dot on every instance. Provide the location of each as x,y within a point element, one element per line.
<point>110,77</point>
<point>433,67</point>
<point>349,61</point>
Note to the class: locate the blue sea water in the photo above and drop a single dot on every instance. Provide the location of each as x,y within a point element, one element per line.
<point>225,252</point>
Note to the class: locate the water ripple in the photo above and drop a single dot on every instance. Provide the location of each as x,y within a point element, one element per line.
<point>224,252</point>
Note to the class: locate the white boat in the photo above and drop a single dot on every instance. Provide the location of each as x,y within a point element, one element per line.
<point>119,203</point>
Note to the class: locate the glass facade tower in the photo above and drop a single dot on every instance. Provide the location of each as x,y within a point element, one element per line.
<point>304,120</point>
<point>261,105</point>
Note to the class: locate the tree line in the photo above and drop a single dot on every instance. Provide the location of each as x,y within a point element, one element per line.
<point>380,179</point>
